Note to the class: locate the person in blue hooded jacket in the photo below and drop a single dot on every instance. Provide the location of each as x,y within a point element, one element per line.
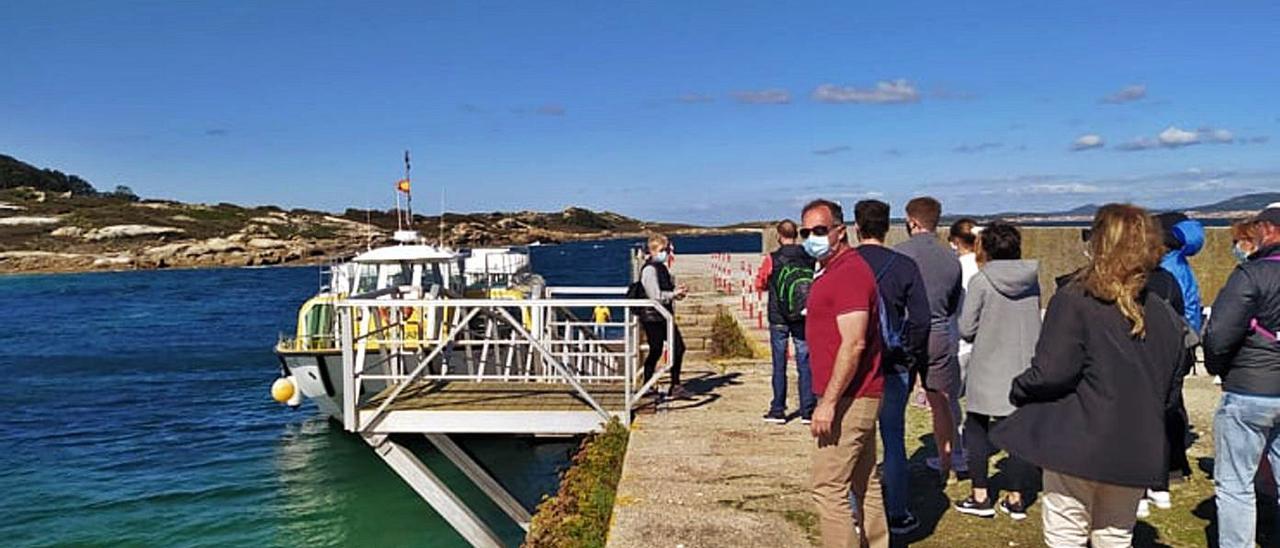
<point>1183,238</point>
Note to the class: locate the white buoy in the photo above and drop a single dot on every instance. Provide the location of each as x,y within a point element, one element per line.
<point>296,399</point>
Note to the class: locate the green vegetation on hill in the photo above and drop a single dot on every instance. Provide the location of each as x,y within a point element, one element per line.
<point>571,220</point>
<point>16,173</point>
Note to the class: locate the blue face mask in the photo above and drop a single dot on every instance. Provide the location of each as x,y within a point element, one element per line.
<point>817,246</point>
<point>661,257</point>
<point>1241,256</point>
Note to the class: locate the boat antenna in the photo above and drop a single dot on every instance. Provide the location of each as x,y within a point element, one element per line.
<point>441,223</point>
<point>408,196</point>
<point>368,225</point>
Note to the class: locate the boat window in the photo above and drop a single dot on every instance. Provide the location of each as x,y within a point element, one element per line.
<point>319,326</point>
<point>430,276</point>
<point>398,274</point>
<point>367,278</point>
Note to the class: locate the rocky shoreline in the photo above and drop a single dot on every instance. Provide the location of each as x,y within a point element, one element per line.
<point>42,232</point>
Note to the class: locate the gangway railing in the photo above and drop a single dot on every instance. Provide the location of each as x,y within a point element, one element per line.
<point>391,345</point>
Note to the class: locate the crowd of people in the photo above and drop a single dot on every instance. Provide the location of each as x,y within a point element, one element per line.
<point>1084,398</point>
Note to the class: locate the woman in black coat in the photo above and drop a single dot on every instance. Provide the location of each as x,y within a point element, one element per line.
<point>1091,409</point>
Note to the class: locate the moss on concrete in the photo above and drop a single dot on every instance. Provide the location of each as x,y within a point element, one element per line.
<point>578,514</point>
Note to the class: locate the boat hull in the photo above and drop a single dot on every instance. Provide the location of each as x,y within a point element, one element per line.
<point>318,375</point>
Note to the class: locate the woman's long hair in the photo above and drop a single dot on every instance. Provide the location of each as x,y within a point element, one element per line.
<point>1124,248</point>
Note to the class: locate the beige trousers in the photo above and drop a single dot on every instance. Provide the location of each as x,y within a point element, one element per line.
<point>1077,511</point>
<point>845,462</point>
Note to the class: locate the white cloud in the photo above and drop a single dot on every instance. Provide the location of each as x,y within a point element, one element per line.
<point>763,97</point>
<point>692,98</point>
<point>1127,94</point>
<point>1174,137</point>
<point>1057,188</point>
<point>832,150</point>
<point>975,148</point>
<point>1087,141</point>
<point>1217,135</point>
<point>884,92</point>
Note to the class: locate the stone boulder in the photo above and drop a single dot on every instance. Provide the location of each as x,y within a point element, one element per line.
<point>267,243</point>
<point>28,220</point>
<point>130,231</point>
<point>112,262</point>
<point>68,232</point>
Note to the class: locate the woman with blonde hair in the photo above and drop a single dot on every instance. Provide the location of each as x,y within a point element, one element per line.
<point>659,285</point>
<point>1091,408</point>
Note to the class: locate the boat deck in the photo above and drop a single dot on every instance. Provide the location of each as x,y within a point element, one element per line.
<point>456,407</point>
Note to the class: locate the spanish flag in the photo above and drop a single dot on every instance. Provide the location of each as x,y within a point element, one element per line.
<point>403,186</point>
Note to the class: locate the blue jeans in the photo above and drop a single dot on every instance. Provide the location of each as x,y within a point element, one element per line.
<point>778,335</point>
<point>1243,428</point>
<point>893,433</point>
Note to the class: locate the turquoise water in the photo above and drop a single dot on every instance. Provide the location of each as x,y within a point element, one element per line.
<point>134,410</point>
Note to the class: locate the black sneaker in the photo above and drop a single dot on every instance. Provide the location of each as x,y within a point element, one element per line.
<point>775,417</point>
<point>1017,511</point>
<point>903,525</point>
<point>806,420</point>
<point>972,507</point>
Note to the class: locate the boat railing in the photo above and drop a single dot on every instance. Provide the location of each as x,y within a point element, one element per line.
<point>389,345</point>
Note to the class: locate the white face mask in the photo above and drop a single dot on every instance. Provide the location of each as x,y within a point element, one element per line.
<point>817,246</point>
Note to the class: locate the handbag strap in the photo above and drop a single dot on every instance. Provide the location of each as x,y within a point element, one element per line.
<point>1254,325</point>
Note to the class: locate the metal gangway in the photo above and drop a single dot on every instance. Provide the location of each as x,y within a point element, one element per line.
<point>437,367</point>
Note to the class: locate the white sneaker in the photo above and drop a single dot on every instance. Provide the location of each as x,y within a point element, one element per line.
<point>1144,510</point>
<point>1160,498</point>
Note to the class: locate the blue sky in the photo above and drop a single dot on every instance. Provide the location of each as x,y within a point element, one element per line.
<point>707,112</point>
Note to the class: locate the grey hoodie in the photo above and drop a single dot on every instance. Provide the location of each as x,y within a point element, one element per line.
<point>1001,317</point>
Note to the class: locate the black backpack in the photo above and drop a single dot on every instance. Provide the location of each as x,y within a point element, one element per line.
<point>791,284</point>
<point>891,337</point>
<point>636,291</point>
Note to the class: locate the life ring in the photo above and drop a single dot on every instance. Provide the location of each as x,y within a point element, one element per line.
<point>406,312</point>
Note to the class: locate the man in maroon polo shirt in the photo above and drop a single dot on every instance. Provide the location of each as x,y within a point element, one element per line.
<point>844,354</point>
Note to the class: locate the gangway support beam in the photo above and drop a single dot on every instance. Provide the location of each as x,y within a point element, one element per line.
<point>479,476</point>
<point>435,492</point>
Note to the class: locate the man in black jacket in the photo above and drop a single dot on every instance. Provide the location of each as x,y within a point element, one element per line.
<point>902,291</point>
<point>1240,346</point>
<point>783,326</point>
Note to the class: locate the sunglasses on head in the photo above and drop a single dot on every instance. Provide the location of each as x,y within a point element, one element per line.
<point>816,231</point>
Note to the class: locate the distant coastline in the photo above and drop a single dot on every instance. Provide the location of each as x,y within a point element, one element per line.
<point>49,232</point>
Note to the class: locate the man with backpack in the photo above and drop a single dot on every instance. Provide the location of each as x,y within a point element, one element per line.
<point>787,274</point>
<point>1241,346</point>
<point>904,329</point>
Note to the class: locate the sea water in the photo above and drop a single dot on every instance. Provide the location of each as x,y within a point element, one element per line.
<point>134,411</point>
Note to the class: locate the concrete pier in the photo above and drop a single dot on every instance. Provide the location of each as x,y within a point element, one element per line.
<point>710,472</point>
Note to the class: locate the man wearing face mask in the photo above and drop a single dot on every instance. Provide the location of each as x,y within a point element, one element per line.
<point>844,355</point>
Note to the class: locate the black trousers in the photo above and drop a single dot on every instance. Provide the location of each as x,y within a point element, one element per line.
<point>656,334</point>
<point>1176,424</point>
<point>978,450</point>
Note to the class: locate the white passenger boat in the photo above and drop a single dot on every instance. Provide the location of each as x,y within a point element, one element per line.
<point>411,270</point>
